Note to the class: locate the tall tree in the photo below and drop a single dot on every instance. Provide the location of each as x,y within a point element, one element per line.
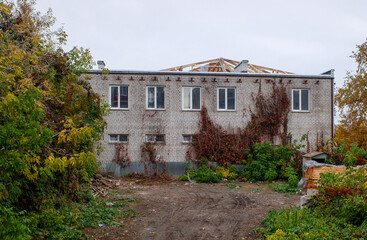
<point>352,102</point>
<point>49,117</point>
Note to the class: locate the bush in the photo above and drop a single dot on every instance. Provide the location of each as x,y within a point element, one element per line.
<point>268,163</point>
<point>183,178</point>
<point>228,171</point>
<point>308,223</point>
<point>292,177</point>
<point>65,222</point>
<point>204,175</point>
<point>255,171</point>
<point>338,212</point>
<point>14,225</point>
<point>341,154</point>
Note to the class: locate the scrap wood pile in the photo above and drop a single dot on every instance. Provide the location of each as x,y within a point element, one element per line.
<point>102,185</point>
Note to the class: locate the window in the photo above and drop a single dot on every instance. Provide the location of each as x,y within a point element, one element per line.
<point>186,138</point>
<point>226,99</point>
<point>155,98</point>
<point>119,97</point>
<point>152,138</point>
<point>300,100</point>
<point>118,138</point>
<point>191,98</point>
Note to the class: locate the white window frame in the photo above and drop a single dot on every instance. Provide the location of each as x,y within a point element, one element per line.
<point>155,98</point>
<point>118,138</point>
<point>191,99</point>
<point>300,100</point>
<point>119,94</point>
<point>226,99</point>
<point>187,135</point>
<point>152,138</point>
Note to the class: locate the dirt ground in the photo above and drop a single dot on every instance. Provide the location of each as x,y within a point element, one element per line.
<point>184,210</point>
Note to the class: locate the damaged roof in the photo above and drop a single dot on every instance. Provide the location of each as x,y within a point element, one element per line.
<point>224,65</point>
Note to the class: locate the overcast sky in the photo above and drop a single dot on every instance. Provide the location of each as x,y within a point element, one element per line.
<point>305,37</point>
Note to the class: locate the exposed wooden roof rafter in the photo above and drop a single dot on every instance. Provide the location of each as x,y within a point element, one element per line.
<point>223,65</point>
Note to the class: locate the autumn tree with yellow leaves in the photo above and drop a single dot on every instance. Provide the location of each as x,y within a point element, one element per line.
<point>49,117</point>
<point>351,100</point>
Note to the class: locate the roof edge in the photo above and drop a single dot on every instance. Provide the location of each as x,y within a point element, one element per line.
<point>229,74</point>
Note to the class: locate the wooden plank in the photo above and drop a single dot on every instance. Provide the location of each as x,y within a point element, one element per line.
<point>313,173</point>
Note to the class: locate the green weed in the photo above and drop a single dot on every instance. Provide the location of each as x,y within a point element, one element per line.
<point>233,185</point>
<point>204,175</point>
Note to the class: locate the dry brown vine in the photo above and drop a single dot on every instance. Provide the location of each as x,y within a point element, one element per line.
<point>268,119</point>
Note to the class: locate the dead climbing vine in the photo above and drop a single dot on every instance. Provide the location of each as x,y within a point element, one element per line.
<point>121,155</point>
<point>151,160</point>
<point>268,120</point>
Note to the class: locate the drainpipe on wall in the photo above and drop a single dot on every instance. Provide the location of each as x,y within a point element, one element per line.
<point>331,73</point>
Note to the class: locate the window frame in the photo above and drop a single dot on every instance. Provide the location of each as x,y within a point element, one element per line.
<point>191,99</point>
<point>118,138</point>
<point>155,98</point>
<point>190,136</point>
<point>155,138</point>
<point>300,100</point>
<point>226,99</point>
<point>118,97</point>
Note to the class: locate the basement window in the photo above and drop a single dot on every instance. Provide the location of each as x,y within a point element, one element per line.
<point>300,100</point>
<point>186,138</point>
<point>119,97</point>
<point>155,98</point>
<point>191,98</point>
<point>118,138</point>
<point>152,138</point>
<point>226,99</point>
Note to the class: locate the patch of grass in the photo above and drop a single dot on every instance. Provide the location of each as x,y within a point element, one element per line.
<point>233,185</point>
<point>119,204</point>
<point>66,222</point>
<point>97,212</point>
<point>132,199</point>
<point>129,212</point>
<point>129,190</point>
<point>286,188</point>
<point>255,190</point>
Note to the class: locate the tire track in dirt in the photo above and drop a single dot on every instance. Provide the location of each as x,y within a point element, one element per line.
<point>203,211</point>
<point>192,211</point>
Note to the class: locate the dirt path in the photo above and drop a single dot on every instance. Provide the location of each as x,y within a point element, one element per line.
<point>182,210</point>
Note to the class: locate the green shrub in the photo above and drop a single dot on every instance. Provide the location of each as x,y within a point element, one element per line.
<point>14,225</point>
<point>339,211</point>
<point>341,154</point>
<point>308,223</point>
<point>254,171</point>
<point>205,175</point>
<point>271,174</point>
<point>183,178</point>
<point>268,163</point>
<point>282,158</point>
<point>293,178</point>
<point>61,223</point>
<point>228,171</point>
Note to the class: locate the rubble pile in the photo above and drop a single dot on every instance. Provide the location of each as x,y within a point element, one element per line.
<point>102,185</point>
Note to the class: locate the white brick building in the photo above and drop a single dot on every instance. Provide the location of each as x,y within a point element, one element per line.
<point>164,106</point>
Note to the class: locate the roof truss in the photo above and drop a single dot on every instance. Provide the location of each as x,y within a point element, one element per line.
<point>222,65</point>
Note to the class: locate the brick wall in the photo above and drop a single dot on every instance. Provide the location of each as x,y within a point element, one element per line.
<point>173,122</point>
